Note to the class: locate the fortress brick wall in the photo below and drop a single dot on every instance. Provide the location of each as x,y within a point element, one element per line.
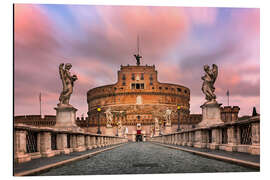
<point>139,93</point>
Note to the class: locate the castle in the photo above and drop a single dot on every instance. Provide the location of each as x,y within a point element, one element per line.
<point>135,101</point>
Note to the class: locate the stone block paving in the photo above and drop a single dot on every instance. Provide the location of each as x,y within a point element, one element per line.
<point>36,163</point>
<point>145,158</point>
<point>235,155</point>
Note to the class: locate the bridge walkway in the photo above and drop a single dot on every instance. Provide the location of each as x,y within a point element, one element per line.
<point>226,154</point>
<point>45,163</point>
<point>140,158</point>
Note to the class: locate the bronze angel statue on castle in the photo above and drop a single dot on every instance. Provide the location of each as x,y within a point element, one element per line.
<point>208,83</point>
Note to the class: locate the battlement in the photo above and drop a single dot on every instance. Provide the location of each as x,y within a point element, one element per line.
<point>229,113</point>
<point>145,68</point>
<point>46,120</point>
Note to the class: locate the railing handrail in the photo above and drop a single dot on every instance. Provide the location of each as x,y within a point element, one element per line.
<point>221,125</point>
<point>51,129</point>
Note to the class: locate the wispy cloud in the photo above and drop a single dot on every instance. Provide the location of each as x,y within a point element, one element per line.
<point>97,39</point>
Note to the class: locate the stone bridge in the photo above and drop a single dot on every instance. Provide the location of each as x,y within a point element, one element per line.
<point>227,147</point>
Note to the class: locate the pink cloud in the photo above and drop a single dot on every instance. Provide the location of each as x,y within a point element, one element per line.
<point>202,15</point>
<point>249,21</point>
<point>160,28</point>
<point>98,50</point>
<point>32,27</point>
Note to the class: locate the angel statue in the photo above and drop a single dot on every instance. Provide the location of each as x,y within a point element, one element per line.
<point>156,124</point>
<point>167,116</point>
<point>109,117</point>
<point>208,83</point>
<point>68,82</point>
<point>119,124</point>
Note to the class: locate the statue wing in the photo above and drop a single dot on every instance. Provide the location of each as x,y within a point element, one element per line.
<point>61,70</point>
<point>62,76</point>
<point>215,72</point>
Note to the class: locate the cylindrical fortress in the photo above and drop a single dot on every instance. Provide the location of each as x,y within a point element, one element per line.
<point>141,97</point>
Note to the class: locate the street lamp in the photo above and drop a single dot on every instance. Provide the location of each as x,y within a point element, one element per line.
<point>178,112</point>
<point>98,110</point>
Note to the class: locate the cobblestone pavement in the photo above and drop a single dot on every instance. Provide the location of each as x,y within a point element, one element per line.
<point>236,155</point>
<point>145,158</point>
<point>36,163</point>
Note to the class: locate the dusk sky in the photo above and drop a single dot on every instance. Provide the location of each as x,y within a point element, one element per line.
<point>96,40</point>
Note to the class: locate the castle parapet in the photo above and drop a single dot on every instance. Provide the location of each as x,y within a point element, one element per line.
<point>229,113</point>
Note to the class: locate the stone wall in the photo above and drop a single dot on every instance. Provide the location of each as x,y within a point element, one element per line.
<point>140,103</point>
<point>239,136</point>
<point>229,113</point>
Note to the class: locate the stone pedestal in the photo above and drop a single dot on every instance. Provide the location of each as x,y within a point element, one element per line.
<point>134,136</point>
<point>109,131</point>
<point>200,139</point>
<point>93,141</point>
<point>80,144</point>
<point>120,133</point>
<point>216,139</point>
<point>254,149</point>
<point>232,140</point>
<point>20,154</point>
<point>168,129</point>
<point>66,118</point>
<point>45,145</point>
<point>156,133</point>
<point>210,115</point>
<point>61,143</point>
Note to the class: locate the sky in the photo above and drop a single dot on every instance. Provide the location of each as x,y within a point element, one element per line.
<point>96,40</point>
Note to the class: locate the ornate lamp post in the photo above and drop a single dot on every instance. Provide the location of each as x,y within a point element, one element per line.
<point>178,112</point>
<point>98,110</point>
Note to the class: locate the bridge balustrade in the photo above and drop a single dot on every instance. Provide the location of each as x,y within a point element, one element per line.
<point>238,136</point>
<point>32,142</point>
<point>53,141</point>
<point>224,134</point>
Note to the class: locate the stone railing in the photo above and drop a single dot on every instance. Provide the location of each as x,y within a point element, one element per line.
<point>32,142</point>
<point>239,136</point>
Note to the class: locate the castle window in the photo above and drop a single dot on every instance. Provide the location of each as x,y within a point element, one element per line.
<point>123,83</point>
<point>160,87</point>
<point>186,91</point>
<point>153,88</point>
<point>133,76</point>
<point>115,88</point>
<point>142,77</point>
<point>151,77</point>
<point>179,90</point>
<point>166,88</point>
<point>123,77</point>
<point>151,83</point>
<point>137,86</point>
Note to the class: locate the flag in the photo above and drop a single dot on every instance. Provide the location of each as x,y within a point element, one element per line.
<point>228,93</point>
